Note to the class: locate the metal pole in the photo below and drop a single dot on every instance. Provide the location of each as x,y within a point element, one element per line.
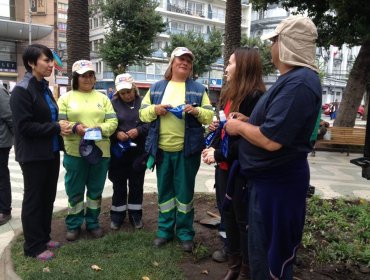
<point>30,24</point>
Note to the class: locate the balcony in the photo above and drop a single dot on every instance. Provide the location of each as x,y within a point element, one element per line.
<point>183,10</point>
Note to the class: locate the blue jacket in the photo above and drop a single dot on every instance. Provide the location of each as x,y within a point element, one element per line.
<point>194,131</point>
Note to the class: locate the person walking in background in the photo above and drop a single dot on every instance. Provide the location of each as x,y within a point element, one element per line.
<point>243,89</point>
<point>175,143</point>
<point>128,164</point>
<point>273,150</point>
<point>37,146</point>
<point>110,93</point>
<point>87,149</point>
<point>6,143</point>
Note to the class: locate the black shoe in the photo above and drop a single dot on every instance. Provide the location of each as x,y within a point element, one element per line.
<point>96,232</point>
<point>4,218</point>
<point>187,245</point>
<point>159,242</point>
<point>114,226</point>
<point>136,222</point>
<point>220,255</point>
<point>73,234</point>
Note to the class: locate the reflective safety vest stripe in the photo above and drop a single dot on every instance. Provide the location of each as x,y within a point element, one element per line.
<point>93,204</point>
<point>134,207</point>
<point>184,208</point>
<point>110,116</point>
<point>167,206</point>
<point>74,210</point>
<point>118,208</point>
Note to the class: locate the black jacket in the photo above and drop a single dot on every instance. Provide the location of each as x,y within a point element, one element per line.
<point>33,126</point>
<point>246,107</point>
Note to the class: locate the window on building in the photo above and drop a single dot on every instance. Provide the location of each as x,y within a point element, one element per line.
<point>195,8</point>
<point>62,16</point>
<point>218,14</point>
<point>98,67</point>
<point>62,26</point>
<point>95,22</point>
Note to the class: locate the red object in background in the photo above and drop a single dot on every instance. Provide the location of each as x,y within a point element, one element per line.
<point>326,110</point>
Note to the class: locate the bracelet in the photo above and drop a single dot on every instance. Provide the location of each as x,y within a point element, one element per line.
<point>74,128</point>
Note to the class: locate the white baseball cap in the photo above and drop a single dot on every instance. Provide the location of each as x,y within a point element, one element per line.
<point>82,66</point>
<point>124,81</point>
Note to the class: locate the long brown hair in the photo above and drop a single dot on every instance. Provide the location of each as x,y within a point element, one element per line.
<point>246,79</point>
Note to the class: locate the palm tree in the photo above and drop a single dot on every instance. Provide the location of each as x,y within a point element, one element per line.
<point>78,46</point>
<point>233,20</point>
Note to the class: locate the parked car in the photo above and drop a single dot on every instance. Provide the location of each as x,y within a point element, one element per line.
<point>360,111</point>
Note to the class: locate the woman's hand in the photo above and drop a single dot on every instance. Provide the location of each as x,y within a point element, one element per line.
<point>208,155</point>
<point>80,129</point>
<point>132,133</point>
<point>122,136</point>
<point>213,126</point>
<point>191,110</point>
<point>65,128</point>
<point>160,109</point>
<point>238,116</point>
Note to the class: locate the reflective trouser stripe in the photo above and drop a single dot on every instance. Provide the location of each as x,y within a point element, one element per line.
<point>93,203</point>
<point>73,210</point>
<point>184,208</point>
<point>118,208</point>
<point>167,206</point>
<point>134,207</point>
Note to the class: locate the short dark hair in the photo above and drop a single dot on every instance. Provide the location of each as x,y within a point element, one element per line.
<point>32,53</point>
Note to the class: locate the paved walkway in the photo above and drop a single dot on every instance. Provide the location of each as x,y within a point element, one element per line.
<point>331,173</point>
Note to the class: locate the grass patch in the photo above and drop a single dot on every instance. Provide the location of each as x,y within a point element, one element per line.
<point>120,256</point>
<point>338,230</point>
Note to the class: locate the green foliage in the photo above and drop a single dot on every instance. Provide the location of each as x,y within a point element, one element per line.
<point>264,50</point>
<point>337,21</point>
<point>338,230</point>
<point>132,28</point>
<point>119,255</point>
<point>206,52</point>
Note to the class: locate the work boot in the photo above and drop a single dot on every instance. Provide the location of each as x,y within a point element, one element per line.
<point>159,242</point>
<point>187,245</point>
<point>136,221</point>
<point>220,255</point>
<point>96,232</point>
<point>73,234</point>
<point>244,272</point>
<point>233,265</point>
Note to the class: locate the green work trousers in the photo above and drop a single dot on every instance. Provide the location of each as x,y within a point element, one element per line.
<point>81,174</point>
<point>176,181</point>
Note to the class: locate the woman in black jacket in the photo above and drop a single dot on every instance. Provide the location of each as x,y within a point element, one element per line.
<point>128,157</point>
<point>37,146</point>
<point>243,89</point>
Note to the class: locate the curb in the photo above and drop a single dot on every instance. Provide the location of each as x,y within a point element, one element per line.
<point>6,262</point>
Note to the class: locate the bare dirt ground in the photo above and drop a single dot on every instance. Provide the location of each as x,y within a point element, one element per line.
<point>206,268</point>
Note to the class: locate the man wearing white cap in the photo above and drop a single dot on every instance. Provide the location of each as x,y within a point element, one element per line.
<point>273,150</point>
<point>175,142</point>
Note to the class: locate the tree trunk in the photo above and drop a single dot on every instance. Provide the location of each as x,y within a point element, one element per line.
<point>355,88</point>
<point>78,46</point>
<point>233,20</point>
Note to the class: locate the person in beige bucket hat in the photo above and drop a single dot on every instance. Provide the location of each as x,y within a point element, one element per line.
<point>273,151</point>
<point>296,39</point>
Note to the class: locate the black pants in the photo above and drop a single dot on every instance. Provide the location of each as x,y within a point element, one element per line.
<point>5,189</point>
<point>123,175</point>
<point>220,187</point>
<point>236,220</point>
<point>40,185</point>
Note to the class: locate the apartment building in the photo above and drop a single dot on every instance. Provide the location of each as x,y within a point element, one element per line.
<point>28,21</point>
<point>180,16</point>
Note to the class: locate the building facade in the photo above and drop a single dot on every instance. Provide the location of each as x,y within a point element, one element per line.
<point>180,16</point>
<point>23,22</point>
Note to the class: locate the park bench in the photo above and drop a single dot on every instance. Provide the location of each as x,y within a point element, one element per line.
<point>344,137</point>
